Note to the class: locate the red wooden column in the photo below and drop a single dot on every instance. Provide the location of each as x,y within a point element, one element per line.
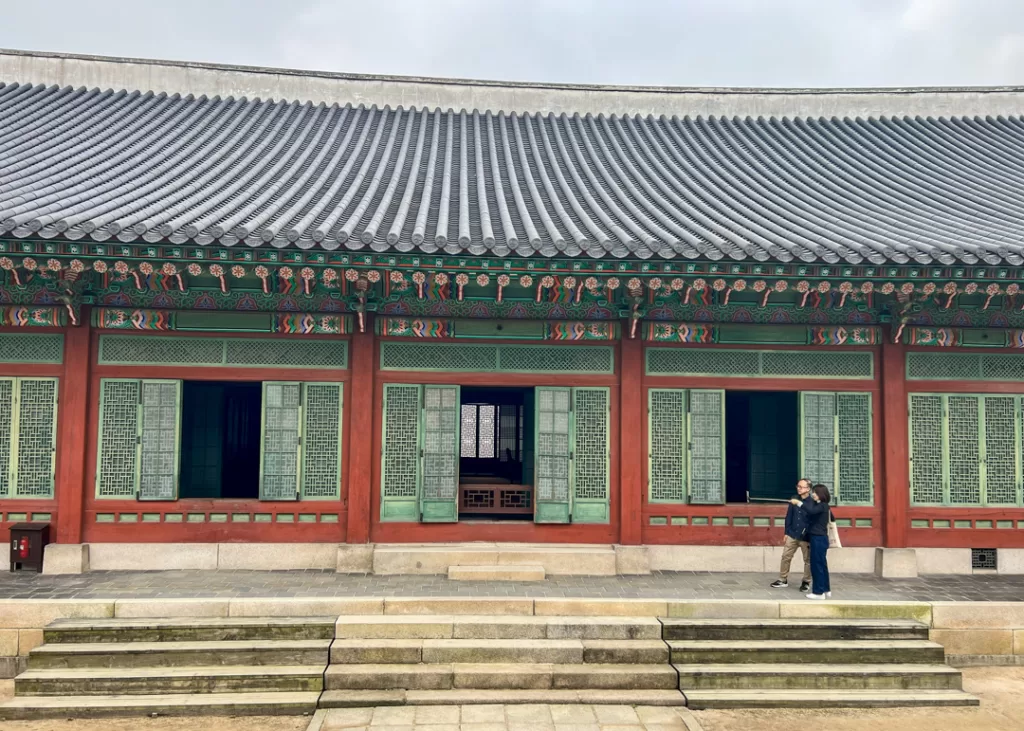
<point>631,410</point>
<point>895,493</point>
<point>360,443</point>
<point>72,428</point>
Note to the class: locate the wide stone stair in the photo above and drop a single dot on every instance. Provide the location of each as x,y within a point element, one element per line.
<point>437,660</point>
<point>132,667</point>
<point>810,663</point>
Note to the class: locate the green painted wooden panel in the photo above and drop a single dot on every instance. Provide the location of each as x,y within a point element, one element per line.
<point>34,443</point>
<point>160,439</point>
<point>980,366</point>
<point>927,449</point>
<point>462,357</point>
<point>321,440</point>
<point>439,487</point>
<point>229,352</point>
<point>7,386</point>
<point>591,435</point>
<point>1001,463</point>
<point>31,348</point>
<point>706,422</point>
<point>666,435</point>
<point>818,437</point>
<point>767,363</point>
<point>964,434</point>
<point>400,461</point>
<point>282,432</point>
<point>117,465</point>
<point>553,474</point>
<point>855,469</point>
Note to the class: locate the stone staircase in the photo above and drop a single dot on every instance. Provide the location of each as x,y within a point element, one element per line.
<point>810,663</point>
<point>194,666</point>
<point>438,660</point>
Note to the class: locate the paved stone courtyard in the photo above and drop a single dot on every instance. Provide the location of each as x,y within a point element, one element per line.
<point>662,585</point>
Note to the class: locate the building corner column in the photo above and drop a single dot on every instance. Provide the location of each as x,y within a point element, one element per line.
<point>360,443</point>
<point>73,429</point>
<point>631,425</point>
<point>895,488</point>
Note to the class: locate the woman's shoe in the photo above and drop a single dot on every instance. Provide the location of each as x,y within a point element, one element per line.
<point>828,595</point>
<point>815,596</point>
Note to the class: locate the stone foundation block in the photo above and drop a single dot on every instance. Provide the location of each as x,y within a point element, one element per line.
<point>11,667</point>
<point>37,613</point>
<point>152,556</point>
<point>895,563</point>
<point>8,642</point>
<point>354,559</point>
<point>304,607</point>
<point>709,558</point>
<point>66,558</point>
<point>632,561</point>
<point>978,615</point>
<point>1018,642</point>
<point>724,609</point>
<point>28,640</point>
<point>600,608</point>
<point>974,641</point>
<point>417,559</point>
<point>943,561</point>
<point>919,611</point>
<point>171,607</point>
<point>458,605</point>
<point>277,556</point>
<point>1010,560</point>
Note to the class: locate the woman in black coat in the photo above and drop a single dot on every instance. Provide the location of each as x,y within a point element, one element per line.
<point>818,516</point>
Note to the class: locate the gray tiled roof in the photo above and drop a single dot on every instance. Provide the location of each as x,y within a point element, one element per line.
<point>134,166</point>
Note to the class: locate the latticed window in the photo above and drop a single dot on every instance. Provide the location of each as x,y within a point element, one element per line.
<point>28,427</point>
<point>966,449</point>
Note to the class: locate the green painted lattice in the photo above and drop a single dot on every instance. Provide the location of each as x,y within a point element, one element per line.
<point>666,419</point>
<point>818,412</point>
<point>227,352</point>
<point>927,440</point>
<point>28,429</point>
<point>964,449</point>
<point>439,489</point>
<point>590,458</point>
<point>31,348</point>
<point>400,463</point>
<point>158,456</point>
<point>6,435</point>
<point>397,356</point>
<point>965,366</point>
<point>1001,459</point>
<point>836,444</point>
<point>707,446</point>
<point>321,440</point>
<point>767,363</point>
<point>554,455</point>
<point>282,404</point>
<point>117,465</point>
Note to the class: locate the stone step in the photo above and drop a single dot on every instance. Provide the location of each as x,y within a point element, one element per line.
<point>468,697</point>
<point>500,676</point>
<point>182,679</point>
<point>433,558</point>
<point>823,677</point>
<point>390,651</point>
<point>702,699</point>
<point>799,630</point>
<point>166,654</point>
<point>716,652</point>
<point>471,627</point>
<point>190,629</point>
<point>497,572</point>
<point>178,704</point>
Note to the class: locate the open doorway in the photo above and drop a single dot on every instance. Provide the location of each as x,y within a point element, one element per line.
<point>496,453</point>
<point>220,439</point>
<point>762,444</point>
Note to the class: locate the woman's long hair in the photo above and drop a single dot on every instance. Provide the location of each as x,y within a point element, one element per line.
<point>822,492</point>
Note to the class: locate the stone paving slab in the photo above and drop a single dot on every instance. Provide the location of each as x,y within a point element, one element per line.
<point>682,586</point>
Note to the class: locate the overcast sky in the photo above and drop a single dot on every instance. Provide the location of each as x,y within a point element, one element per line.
<point>660,42</point>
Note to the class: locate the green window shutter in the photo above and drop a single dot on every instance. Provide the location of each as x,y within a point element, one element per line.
<point>158,456</point>
<point>117,473</point>
<point>965,430</point>
<point>707,446</point>
<point>927,463</point>
<point>439,491</point>
<point>1001,460</point>
<point>321,441</point>
<point>818,437</point>
<point>855,474</point>
<point>400,463</point>
<point>6,435</point>
<point>553,479</point>
<point>282,420</point>
<point>35,437</point>
<point>590,463</point>
<point>666,436</point>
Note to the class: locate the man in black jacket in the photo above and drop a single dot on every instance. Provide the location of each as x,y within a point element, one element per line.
<point>796,527</point>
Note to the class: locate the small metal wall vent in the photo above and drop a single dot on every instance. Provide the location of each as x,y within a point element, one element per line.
<point>983,558</point>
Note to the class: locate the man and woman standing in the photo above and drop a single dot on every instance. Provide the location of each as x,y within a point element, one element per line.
<point>807,523</point>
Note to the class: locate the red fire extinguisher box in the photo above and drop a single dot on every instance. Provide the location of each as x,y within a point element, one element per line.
<point>27,543</point>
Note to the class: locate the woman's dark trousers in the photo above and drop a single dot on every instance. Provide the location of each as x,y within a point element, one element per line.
<point>819,565</point>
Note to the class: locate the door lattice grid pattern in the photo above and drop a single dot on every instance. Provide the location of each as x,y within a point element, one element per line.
<point>707,447</point>
<point>401,442</point>
<point>778,363</point>
<point>158,460</point>
<point>819,418</point>
<point>440,442</point>
<point>855,457</point>
<point>553,440</point>
<point>926,440</point>
<point>964,450</point>
<point>119,430</point>
<point>287,353</point>
<point>37,423</point>
<point>28,348</point>
<point>965,366</point>
<point>234,352</point>
<point>667,439</point>
<point>6,431</point>
<point>591,436</point>
<point>321,440</point>
<point>496,358</point>
<point>281,407</point>
<point>1001,466</point>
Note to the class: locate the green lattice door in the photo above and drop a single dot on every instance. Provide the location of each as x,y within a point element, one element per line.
<point>159,425</point>
<point>322,405</point>
<point>706,447</point>
<point>400,453</point>
<point>965,449</point>
<point>818,438</point>
<point>28,430</point>
<point>590,429</point>
<point>553,474</point>
<point>927,449</point>
<point>281,444</point>
<point>836,448</point>
<point>666,445</point>
<point>1001,462</point>
<point>439,482</point>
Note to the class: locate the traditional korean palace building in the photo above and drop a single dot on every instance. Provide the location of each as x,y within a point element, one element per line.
<point>260,306</point>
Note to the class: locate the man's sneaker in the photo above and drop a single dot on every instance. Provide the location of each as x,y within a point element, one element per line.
<point>805,587</point>
<point>779,584</point>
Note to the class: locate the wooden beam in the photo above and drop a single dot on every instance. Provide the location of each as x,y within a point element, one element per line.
<point>895,489</point>
<point>631,426</point>
<point>360,398</point>
<point>72,424</point>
